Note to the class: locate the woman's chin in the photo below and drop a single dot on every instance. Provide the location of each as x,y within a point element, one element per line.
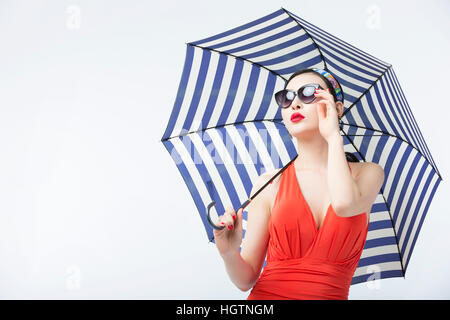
<point>303,133</point>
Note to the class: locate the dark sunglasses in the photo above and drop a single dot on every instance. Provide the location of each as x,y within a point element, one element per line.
<point>305,93</point>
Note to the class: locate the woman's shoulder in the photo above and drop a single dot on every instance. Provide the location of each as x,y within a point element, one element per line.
<point>264,177</point>
<point>270,191</point>
<point>270,173</point>
<point>364,165</point>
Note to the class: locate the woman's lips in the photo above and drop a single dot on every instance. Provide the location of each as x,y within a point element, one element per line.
<point>296,117</point>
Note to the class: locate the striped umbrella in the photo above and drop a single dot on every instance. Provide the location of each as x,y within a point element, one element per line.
<point>226,129</point>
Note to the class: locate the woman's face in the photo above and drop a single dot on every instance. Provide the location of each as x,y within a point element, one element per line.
<point>309,125</point>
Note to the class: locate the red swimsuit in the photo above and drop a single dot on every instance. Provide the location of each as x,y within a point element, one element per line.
<point>303,262</point>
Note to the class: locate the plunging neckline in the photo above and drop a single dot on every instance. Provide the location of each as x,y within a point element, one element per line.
<point>316,228</point>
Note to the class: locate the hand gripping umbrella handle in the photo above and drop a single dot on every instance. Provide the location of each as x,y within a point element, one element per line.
<point>212,204</point>
<point>249,200</point>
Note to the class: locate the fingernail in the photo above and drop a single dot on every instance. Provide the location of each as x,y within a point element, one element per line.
<point>230,227</point>
<point>234,217</point>
<point>222,223</point>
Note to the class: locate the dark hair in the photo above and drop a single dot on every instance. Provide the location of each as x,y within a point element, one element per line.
<point>328,83</point>
<point>350,156</point>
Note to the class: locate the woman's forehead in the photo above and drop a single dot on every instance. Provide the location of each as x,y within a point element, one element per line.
<point>305,78</point>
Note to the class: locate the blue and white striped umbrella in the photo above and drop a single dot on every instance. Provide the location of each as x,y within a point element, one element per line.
<point>226,128</point>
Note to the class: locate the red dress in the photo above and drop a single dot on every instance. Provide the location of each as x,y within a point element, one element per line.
<point>303,262</point>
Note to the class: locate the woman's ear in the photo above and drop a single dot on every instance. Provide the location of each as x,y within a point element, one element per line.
<point>340,109</point>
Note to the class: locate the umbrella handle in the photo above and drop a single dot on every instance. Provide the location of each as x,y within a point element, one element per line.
<point>212,204</point>
<point>249,200</point>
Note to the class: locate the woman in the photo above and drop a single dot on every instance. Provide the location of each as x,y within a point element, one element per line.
<point>312,221</point>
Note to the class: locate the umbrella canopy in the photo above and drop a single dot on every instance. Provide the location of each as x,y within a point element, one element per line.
<point>226,129</point>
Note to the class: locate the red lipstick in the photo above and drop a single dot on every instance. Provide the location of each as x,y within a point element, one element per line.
<point>296,117</point>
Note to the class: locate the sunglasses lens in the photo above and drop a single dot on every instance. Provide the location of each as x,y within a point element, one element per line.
<point>307,94</point>
<point>290,96</point>
<point>284,98</point>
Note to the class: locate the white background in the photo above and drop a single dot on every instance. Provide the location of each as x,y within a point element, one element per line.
<point>92,205</point>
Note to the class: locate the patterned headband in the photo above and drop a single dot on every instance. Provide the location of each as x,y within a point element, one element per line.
<point>336,86</point>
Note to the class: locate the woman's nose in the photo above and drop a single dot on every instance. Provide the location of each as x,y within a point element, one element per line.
<point>296,104</point>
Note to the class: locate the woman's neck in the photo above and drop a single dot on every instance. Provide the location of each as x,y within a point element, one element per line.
<point>312,153</point>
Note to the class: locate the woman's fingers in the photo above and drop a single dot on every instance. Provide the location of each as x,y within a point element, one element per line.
<point>228,219</point>
<point>238,220</point>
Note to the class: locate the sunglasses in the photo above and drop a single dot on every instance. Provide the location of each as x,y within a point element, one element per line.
<point>305,93</point>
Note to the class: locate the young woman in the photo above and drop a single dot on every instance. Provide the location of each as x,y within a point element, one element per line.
<point>312,220</point>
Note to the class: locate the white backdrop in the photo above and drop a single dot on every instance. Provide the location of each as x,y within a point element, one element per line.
<point>91,204</point>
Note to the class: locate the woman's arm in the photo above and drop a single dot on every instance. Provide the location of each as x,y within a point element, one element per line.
<point>239,271</point>
<point>350,197</point>
<point>244,267</point>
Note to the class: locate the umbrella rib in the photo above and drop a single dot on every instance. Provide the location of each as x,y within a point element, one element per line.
<point>222,125</point>
<point>397,137</point>
<point>367,90</point>
<point>395,232</point>
<point>304,29</point>
<point>348,138</point>
<point>237,57</point>
<point>387,206</point>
